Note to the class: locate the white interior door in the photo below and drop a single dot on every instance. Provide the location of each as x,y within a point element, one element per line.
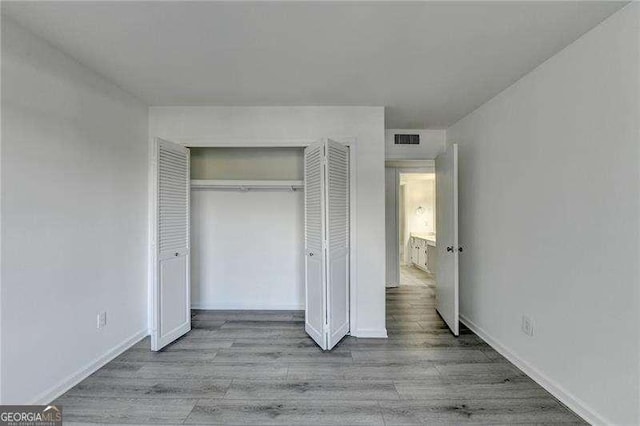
<point>171,313</point>
<point>447,237</point>
<point>314,231</point>
<point>337,229</point>
<point>326,177</point>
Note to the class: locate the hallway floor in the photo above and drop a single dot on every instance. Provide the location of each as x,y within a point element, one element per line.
<point>240,367</point>
<point>412,276</point>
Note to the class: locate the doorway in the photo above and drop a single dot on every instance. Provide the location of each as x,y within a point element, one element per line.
<point>409,209</point>
<point>414,257</point>
<point>416,229</point>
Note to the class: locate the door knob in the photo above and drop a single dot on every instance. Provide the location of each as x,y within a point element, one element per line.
<point>310,254</point>
<point>177,253</point>
<point>450,248</point>
<point>460,249</point>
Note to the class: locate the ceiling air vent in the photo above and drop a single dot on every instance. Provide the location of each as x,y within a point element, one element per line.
<point>407,139</point>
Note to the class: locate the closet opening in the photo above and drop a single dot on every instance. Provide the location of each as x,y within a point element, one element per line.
<point>247,228</point>
<point>243,229</point>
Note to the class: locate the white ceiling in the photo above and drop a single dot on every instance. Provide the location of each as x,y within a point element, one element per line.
<point>428,63</point>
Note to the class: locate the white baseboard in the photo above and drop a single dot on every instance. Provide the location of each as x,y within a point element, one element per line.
<point>575,404</point>
<point>378,333</point>
<point>75,378</point>
<point>246,307</point>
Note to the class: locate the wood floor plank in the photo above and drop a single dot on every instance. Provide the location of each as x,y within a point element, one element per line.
<point>485,412</point>
<point>346,390</point>
<point>282,412</point>
<point>416,342</point>
<point>119,369</point>
<point>439,389</point>
<point>428,354</point>
<point>87,410</point>
<point>209,371</point>
<point>197,334</point>
<point>168,356</point>
<point>206,324</point>
<point>269,324</point>
<point>282,356</point>
<point>404,325</point>
<point>391,371</point>
<point>311,350</point>
<point>489,372</point>
<point>248,315</point>
<point>114,387</point>
<point>187,343</point>
<point>256,332</point>
<point>316,371</point>
<point>281,342</point>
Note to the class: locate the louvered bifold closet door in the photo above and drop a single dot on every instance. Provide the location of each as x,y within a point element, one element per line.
<point>314,205</point>
<point>172,315</point>
<point>337,200</point>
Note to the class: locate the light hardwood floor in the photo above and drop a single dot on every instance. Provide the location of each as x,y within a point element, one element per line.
<point>261,368</point>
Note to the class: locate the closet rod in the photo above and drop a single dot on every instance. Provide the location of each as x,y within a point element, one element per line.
<point>245,185</point>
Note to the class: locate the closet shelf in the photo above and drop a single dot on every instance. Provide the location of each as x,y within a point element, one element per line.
<point>245,185</point>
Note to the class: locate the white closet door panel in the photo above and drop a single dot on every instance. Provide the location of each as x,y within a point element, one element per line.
<point>447,247</point>
<point>314,211</point>
<point>315,306</point>
<point>173,298</point>
<point>338,312</point>
<point>171,247</point>
<point>337,196</point>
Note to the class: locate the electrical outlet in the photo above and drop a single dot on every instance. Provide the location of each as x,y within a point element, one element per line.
<point>527,325</point>
<point>102,320</point>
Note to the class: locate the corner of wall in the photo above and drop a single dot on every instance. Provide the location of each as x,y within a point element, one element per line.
<point>82,373</point>
<point>567,398</point>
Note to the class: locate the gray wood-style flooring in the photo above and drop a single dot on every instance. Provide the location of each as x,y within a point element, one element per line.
<point>260,368</point>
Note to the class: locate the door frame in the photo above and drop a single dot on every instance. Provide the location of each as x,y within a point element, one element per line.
<point>403,166</point>
<point>217,142</point>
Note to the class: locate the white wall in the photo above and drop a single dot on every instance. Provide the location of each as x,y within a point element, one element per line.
<point>432,143</point>
<point>237,125</point>
<point>549,208</point>
<point>247,163</point>
<point>247,249</point>
<point>419,193</point>
<point>74,219</point>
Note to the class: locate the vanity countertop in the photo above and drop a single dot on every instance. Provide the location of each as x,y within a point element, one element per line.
<point>430,239</point>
